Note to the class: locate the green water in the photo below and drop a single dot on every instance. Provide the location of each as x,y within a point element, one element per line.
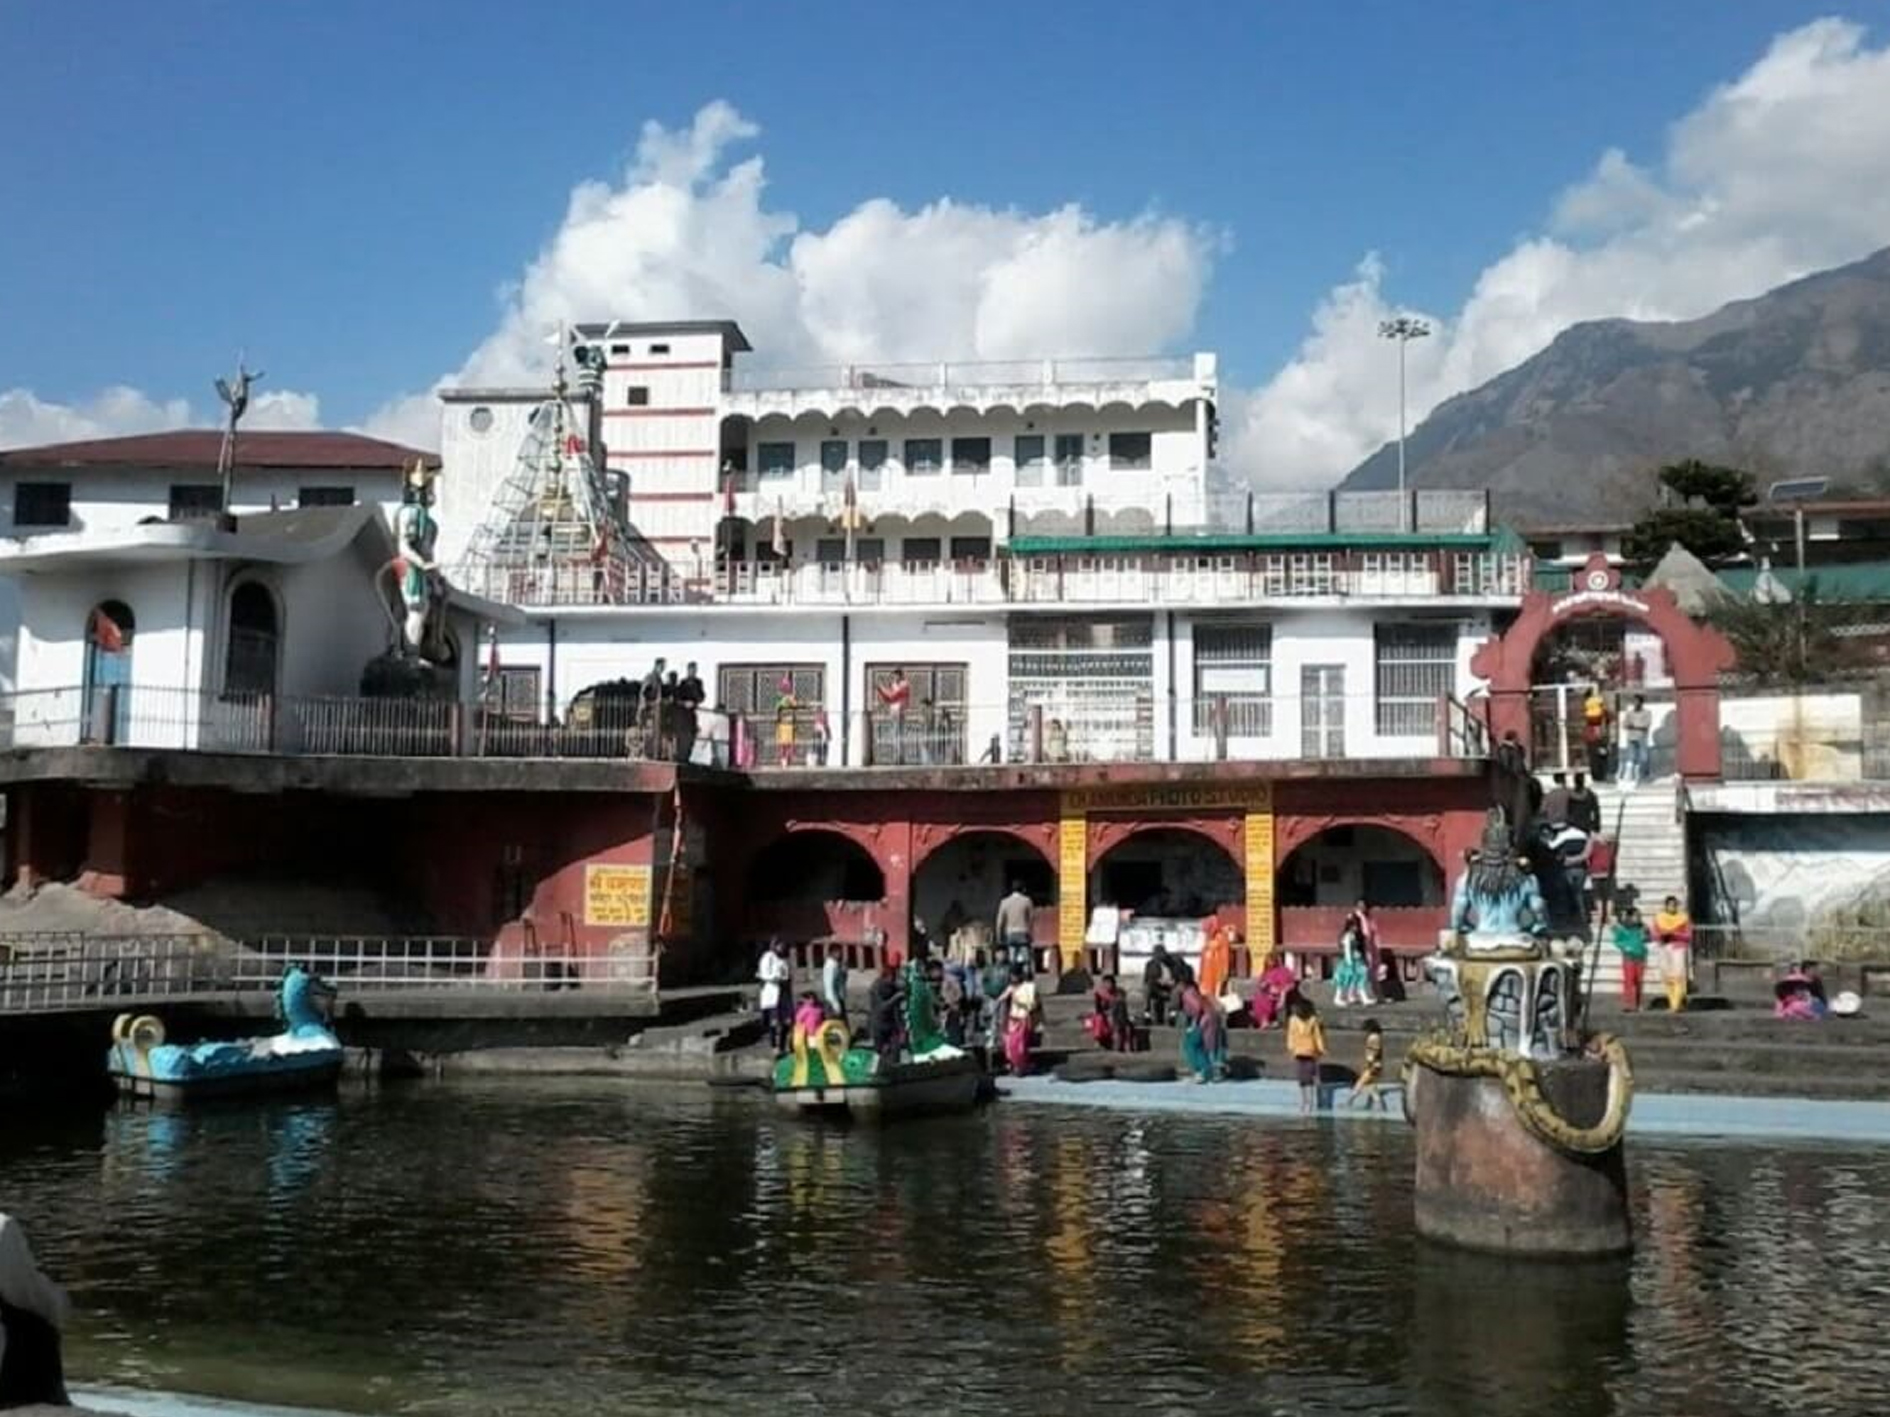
<point>575,1248</point>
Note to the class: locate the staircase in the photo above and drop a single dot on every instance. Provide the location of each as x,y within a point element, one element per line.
<point>1650,857</point>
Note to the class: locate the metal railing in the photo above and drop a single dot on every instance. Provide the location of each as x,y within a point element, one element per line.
<point>892,378</point>
<point>42,973</point>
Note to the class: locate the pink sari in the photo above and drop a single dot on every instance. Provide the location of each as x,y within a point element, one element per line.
<point>1270,998</point>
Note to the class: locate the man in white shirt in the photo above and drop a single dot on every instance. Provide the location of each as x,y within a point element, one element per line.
<point>833,984</point>
<point>32,1311</point>
<point>776,974</point>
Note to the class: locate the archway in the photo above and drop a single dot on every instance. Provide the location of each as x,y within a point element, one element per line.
<point>1696,655</point>
<point>1168,873</point>
<point>251,651</point>
<point>962,882</point>
<point>106,692</point>
<point>1323,877</point>
<point>815,885</point>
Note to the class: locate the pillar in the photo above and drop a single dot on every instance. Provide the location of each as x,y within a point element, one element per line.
<point>107,871</point>
<point>895,863</point>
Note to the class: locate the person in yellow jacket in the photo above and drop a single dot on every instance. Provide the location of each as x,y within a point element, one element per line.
<point>1673,932</point>
<point>1306,1041</point>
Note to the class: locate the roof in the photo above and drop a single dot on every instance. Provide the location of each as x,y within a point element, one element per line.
<point>1853,581</point>
<point>727,329</point>
<point>1185,545</point>
<point>1842,506</point>
<point>200,448</point>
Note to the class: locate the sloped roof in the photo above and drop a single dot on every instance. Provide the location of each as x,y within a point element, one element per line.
<point>1693,584</point>
<point>200,447</point>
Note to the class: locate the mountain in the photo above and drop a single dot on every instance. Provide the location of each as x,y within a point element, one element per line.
<point>1794,383</point>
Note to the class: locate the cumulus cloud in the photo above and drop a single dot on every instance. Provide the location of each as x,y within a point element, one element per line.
<point>26,419</point>
<point>688,233</point>
<point>1781,172</point>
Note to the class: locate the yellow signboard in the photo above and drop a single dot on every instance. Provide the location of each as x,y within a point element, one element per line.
<point>1259,864</point>
<point>1072,888</point>
<point>616,895</point>
<point>1177,796</point>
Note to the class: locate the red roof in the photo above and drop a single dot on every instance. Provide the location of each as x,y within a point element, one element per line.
<point>199,447</point>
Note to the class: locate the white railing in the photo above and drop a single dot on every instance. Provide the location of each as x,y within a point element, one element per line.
<point>961,374</point>
<point>42,973</point>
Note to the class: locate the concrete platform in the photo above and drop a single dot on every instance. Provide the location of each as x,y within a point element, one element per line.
<point>120,1402</point>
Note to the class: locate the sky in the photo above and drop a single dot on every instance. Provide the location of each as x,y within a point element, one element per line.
<point>372,199</point>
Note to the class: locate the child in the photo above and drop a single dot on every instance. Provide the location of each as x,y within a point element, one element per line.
<point>1306,1041</point>
<point>1630,938</point>
<point>1673,929</point>
<point>809,1016</point>
<point>1371,1070</point>
<point>1101,1023</point>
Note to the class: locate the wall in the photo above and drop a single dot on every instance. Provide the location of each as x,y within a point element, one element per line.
<point>669,449</point>
<point>474,464</point>
<point>1791,876</point>
<point>167,638</point>
<point>1323,872</point>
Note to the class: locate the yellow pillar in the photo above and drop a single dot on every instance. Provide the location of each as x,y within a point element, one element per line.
<point>1259,842</point>
<point>1072,884</point>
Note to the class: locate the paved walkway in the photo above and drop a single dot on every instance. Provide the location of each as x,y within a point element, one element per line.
<point>1654,1114</point>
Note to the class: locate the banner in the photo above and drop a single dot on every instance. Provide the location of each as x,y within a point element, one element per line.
<point>1259,870</point>
<point>617,895</point>
<point>1072,886</point>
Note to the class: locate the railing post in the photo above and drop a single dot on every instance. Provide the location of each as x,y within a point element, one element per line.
<point>1220,727</point>
<point>1033,733</point>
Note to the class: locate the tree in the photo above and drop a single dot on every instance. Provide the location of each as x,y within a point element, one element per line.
<point>1703,515</point>
<point>1784,641</point>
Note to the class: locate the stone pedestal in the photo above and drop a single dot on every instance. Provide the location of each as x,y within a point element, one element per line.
<point>1486,1182</point>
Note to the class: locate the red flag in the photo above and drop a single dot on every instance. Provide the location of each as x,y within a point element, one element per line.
<point>107,634</point>
<point>573,445</point>
<point>728,493</point>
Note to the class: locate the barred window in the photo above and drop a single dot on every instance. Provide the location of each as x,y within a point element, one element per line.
<point>1415,665</point>
<point>1233,664</point>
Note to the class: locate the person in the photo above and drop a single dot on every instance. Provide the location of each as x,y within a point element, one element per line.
<point>948,986</point>
<point>1390,978</point>
<point>1567,900</point>
<point>649,709</point>
<point>1673,932</point>
<point>997,979</point>
<point>823,736</point>
<point>1013,925</point>
<point>1630,939</point>
<point>1600,878</point>
<point>1160,978</point>
<point>1584,808</point>
<point>786,706</point>
<point>1637,726</point>
<point>1366,926</point>
<point>1595,735</point>
<point>895,695</point>
<point>33,1310</point>
<point>833,983</point>
<point>689,699</point>
<point>886,1010</point>
<point>993,751</point>
<point>1274,998</point>
<point>1554,809</point>
<point>1306,1042</point>
<point>1056,742</point>
<point>1371,1071</point>
<point>1204,1040</point>
<point>776,974</point>
<point>1019,1009</point>
<point>1217,957</point>
<point>1351,982</point>
<point>1109,1022</point>
<point>809,1016</point>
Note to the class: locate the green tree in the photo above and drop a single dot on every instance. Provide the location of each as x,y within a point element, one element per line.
<point>1784,642</point>
<point>1702,515</point>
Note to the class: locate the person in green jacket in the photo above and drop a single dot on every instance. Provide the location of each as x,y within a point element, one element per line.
<point>1630,938</point>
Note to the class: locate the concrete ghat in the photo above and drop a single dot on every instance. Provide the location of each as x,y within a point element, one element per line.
<point>1654,1115</point>
<point>122,1402</point>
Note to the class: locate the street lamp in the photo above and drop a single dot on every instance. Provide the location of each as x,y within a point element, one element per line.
<point>1403,329</point>
<point>1798,491</point>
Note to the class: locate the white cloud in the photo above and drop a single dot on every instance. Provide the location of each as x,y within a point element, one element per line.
<point>687,233</point>
<point>1783,171</point>
<point>26,419</point>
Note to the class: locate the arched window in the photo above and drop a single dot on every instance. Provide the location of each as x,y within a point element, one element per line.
<point>249,664</point>
<point>107,689</point>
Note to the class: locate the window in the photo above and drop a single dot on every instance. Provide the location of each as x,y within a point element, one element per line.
<point>1131,452</point>
<point>754,691</point>
<point>923,456</point>
<point>1233,666</point>
<point>931,729</point>
<point>513,693</point>
<point>1416,664</point>
<point>869,550</point>
<point>777,459</point>
<point>42,504</point>
<point>830,550</point>
<point>325,497</point>
<point>480,420</point>
<point>193,500</point>
<point>971,548</point>
<point>916,550</point>
<point>1069,458</point>
<point>637,396</point>
<point>971,455</point>
<point>872,459</point>
<point>659,349</point>
<point>833,465</point>
<point>249,662</point>
<point>1028,453</point>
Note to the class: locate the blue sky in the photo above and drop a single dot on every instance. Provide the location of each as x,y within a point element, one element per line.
<point>345,188</point>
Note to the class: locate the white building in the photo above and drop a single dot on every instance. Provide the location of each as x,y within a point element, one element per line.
<point>1034,542</point>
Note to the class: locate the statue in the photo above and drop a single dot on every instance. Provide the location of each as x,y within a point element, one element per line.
<point>415,572</point>
<point>1543,1174</point>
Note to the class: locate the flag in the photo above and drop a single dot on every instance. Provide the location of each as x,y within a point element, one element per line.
<point>780,526</point>
<point>728,489</point>
<point>573,445</point>
<point>107,634</point>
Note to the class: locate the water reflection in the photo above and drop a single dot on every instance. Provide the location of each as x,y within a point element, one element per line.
<point>528,1249</point>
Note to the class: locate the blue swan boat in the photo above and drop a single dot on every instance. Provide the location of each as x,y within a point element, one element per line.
<point>307,1054</point>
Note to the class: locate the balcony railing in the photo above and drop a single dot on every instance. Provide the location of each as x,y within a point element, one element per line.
<point>961,374</point>
<point>1202,581</point>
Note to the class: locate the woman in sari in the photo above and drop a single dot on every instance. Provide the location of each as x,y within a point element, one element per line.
<point>1204,1040</point>
<point>1352,980</point>
<point>1019,1009</point>
<point>1278,984</point>
<point>1217,957</point>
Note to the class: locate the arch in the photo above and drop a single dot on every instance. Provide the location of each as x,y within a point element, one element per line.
<point>1344,862</point>
<point>813,883</point>
<point>1696,656</point>
<point>252,646</point>
<point>110,628</point>
<point>973,870</point>
<point>1160,868</point>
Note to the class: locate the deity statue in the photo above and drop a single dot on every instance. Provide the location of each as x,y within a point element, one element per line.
<point>1497,903</point>
<point>415,571</point>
